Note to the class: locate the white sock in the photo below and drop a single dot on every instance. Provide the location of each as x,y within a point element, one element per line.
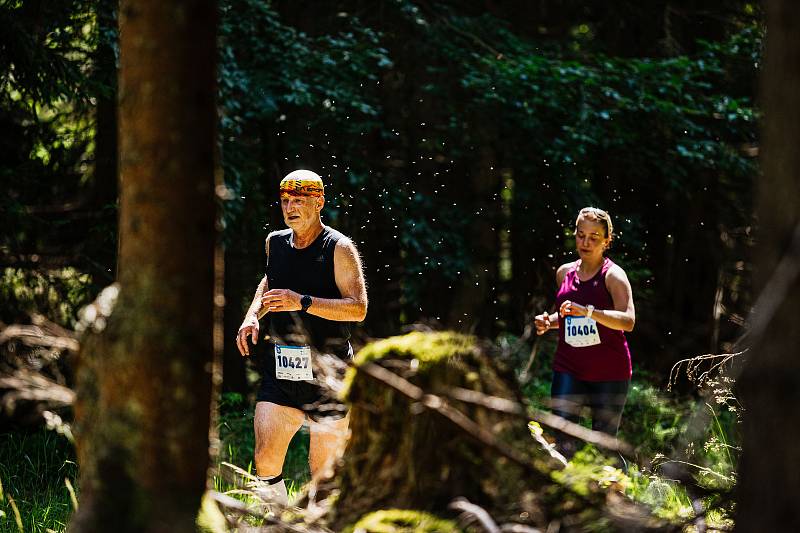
<point>273,489</point>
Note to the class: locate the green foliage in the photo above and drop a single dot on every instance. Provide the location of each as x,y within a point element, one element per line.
<point>588,470</point>
<point>33,467</point>
<point>652,421</point>
<point>237,446</point>
<point>57,294</point>
<point>320,85</point>
<point>56,34</point>
<point>656,424</point>
<point>51,77</point>
<point>667,498</point>
<point>411,116</point>
<point>591,470</point>
<point>422,119</point>
<point>721,451</point>
<point>427,121</point>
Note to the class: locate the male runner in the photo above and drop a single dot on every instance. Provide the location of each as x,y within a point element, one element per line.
<point>313,289</point>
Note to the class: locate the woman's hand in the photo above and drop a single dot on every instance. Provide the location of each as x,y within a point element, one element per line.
<point>569,308</point>
<point>542,323</point>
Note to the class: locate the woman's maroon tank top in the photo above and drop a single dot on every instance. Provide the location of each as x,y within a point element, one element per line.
<point>611,359</point>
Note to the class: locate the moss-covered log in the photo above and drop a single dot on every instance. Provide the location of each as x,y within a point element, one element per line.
<point>404,455</point>
<point>402,521</point>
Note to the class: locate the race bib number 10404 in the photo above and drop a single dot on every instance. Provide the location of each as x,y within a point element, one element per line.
<point>293,363</point>
<point>580,331</point>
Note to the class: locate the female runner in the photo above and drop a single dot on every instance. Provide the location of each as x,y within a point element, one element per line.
<point>592,365</point>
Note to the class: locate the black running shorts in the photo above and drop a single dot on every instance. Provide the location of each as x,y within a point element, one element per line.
<point>315,401</point>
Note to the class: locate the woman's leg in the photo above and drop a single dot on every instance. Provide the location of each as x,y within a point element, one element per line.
<point>567,396</point>
<point>607,401</point>
<point>567,399</point>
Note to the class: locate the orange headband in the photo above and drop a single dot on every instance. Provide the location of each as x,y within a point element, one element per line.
<point>292,187</point>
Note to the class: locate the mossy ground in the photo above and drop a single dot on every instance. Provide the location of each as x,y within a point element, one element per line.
<point>402,521</point>
<point>33,465</point>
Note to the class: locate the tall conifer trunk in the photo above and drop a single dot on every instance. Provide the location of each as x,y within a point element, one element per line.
<point>145,380</point>
<point>105,189</point>
<point>473,308</point>
<point>769,473</point>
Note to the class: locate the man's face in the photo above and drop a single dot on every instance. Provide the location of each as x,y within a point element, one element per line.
<point>301,211</point>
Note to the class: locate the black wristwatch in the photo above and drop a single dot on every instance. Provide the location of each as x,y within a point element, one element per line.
<point>305,302</point>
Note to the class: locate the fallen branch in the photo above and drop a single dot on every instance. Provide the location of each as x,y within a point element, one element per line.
<point>475,513</point>
<point>32,386</point>
<point>597,438</point>
<point>526,375</point>
<point>242,509</point>
<point>34,336</point>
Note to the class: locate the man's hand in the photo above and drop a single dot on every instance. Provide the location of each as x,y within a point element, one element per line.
<point>277,300</point>
<point>248,327</point>
<point>542,323</point>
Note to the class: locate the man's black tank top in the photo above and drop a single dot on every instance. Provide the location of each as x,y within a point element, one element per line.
<point>306,271</point>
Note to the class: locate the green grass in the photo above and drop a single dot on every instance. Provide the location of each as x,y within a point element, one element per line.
<point>33,467</point>
<point>654,422</point>
<point>238,445</point>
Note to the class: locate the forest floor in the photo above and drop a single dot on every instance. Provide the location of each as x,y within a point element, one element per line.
<point>38,469</point>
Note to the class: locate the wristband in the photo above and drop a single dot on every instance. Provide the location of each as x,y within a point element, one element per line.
<point>590,310</point>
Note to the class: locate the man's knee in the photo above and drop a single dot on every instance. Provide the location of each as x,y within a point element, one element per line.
<point>275,426</point>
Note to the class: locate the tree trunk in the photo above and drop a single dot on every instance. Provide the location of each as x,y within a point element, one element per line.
<point>145,382</point>
<point>239,287</point>
<point>769,471</point>
<point>473,307</point>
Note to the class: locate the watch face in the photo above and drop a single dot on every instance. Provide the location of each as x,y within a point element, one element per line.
<point>305,302</point>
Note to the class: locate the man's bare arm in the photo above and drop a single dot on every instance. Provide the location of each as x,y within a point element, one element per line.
<point>254,312</point>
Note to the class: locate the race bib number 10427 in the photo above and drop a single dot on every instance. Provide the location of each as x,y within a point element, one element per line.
<point>293,363</point>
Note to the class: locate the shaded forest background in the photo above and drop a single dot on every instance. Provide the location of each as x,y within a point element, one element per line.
<point>457,140</point>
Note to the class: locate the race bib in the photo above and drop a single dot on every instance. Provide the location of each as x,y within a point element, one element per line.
<point>580,331</point>
<point>293,363</point>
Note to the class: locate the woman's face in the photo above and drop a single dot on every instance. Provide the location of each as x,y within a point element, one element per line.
<point>590,239</point>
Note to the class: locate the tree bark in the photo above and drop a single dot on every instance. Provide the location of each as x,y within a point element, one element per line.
<point>769,471</point>
<point>145,381</point>
<point>473,307</point>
